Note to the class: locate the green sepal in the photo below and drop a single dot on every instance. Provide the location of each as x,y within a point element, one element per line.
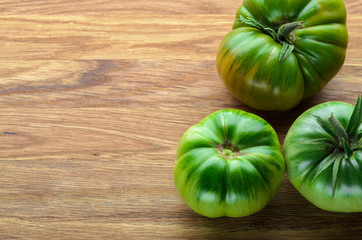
<point>322,143</point>
<point>253,23</point>
<point>335,158</point>
<point>348,150</point>
<point>336,165</point>
<point>324,165</point>
<point>319,141</point>
<point>327,128</point>
<point>356,119</point>
<point>338,128</point>
<point>287,49</point>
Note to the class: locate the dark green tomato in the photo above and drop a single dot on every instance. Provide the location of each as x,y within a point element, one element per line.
<point>323,156</point>
<point>282,51</point>
<point>229,164</point>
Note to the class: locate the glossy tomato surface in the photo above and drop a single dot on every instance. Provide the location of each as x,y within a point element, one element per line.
<point>229,164</point>
<point>269,68</point>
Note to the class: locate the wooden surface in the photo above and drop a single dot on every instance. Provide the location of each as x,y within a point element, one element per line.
<point>94,97</point>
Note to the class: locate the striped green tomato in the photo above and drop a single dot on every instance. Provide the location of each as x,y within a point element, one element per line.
<point>229,164</point>
<point>282,51</point>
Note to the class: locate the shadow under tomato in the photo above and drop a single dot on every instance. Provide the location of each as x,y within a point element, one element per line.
<point>288,216</point>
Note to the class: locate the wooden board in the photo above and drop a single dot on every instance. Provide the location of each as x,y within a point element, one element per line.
<point>94,97</point>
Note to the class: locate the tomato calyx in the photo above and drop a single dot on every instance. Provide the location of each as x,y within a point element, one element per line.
<point>344,142</point>
<point>284,35</point>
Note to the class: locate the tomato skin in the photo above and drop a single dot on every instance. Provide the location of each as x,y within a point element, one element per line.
<point>248,63</point>
<point>214,184</point>
<point>302,157</point>
<point>248,59</point>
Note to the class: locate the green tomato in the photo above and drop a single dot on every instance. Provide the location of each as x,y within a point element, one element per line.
<point>323,154</point>
<point>229,164</point>
<point>280,52</point>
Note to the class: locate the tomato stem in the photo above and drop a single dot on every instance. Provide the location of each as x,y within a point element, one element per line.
<point>285,31</point>
<point>285,35</point>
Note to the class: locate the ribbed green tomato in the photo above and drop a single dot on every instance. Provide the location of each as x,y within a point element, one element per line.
<point>282,51</point>
<point>323,154</point>
<point>229,164</point>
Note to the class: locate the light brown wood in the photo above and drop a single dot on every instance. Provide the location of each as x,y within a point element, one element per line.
<point>94,97</point>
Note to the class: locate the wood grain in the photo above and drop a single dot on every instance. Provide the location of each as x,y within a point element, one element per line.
<point>94,97</point>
